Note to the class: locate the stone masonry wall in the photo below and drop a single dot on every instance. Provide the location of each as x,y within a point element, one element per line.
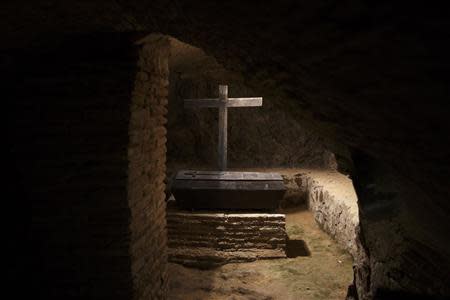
<point>211,239</point>
<point>332,199</point>
<point>146,173</point>
<point>86,168</point>
<point>264,136</point>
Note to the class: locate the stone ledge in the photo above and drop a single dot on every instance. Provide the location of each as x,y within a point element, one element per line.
<point>205,257</point>
<point>333,201</point>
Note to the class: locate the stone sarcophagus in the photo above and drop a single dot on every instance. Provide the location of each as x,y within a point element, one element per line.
<point>224,190</point>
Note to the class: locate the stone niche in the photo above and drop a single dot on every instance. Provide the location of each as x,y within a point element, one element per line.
<point>267,136</point>
<point>270,136</point>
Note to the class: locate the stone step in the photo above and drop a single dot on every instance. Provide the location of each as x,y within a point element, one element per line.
<point>194,236</point>
<point>224,245</point>
<point>225,216</point>
<point>216,221</point>
<point>257,231</point>
<point>205,257</point>
<point>208,237</point>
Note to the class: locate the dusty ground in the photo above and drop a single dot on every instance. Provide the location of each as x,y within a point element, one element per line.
<point>322,271</point>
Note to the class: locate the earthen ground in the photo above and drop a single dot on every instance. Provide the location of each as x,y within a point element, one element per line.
<point>323,271</point>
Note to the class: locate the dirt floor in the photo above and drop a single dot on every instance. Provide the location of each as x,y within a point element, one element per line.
<point>316,269</point>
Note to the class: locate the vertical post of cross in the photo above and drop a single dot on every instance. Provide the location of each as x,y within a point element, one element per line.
<point>223,116</point>
<point>223,103</point>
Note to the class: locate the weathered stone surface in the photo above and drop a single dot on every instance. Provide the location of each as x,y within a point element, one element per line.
<point>280,139</point>
<point>203,239</point>
<point>332,198</point>
<point>296,194</point>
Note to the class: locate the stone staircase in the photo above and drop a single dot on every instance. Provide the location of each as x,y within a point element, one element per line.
<point>209,239</point>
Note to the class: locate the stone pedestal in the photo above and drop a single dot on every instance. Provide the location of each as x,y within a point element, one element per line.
<point>208,239</point>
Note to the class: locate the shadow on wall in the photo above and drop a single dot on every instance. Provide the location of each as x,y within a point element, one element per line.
<point>404,235</point>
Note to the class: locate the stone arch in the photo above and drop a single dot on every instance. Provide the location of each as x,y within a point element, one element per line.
<point>147,167</point>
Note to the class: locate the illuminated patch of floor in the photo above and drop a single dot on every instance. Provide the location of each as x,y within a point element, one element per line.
<point>315,269</point>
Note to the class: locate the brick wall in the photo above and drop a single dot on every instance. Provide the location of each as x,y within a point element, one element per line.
<point>147,167</point>
<point>210,239</point>
<point>85,170</point>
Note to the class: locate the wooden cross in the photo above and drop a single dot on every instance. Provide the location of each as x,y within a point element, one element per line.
<point>223,102</point>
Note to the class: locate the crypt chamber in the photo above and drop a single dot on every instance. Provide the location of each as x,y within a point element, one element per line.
<point>352,127</point>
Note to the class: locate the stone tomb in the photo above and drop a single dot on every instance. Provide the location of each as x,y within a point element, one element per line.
<point>228,190</point>
<point>222,217</point>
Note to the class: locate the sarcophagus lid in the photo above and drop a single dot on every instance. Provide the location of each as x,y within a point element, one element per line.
<point>227,190</point>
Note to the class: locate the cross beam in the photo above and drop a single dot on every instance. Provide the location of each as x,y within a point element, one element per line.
<point>223,102</point>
